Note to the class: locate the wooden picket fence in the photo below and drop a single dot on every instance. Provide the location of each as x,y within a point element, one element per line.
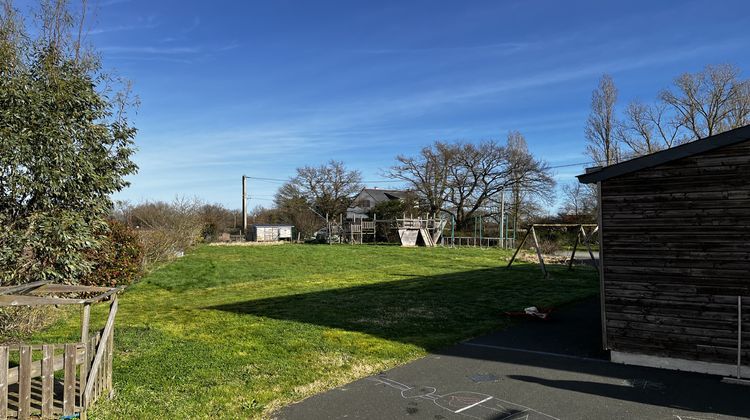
<point>54,380</point>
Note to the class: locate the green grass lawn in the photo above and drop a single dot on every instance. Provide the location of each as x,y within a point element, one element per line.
<point>240,331</point>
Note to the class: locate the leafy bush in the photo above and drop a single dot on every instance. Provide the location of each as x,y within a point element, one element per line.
<point>65,149</point>
<point>119,259</point>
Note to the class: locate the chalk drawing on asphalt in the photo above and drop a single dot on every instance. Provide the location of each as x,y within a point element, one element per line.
<point>466,403</point>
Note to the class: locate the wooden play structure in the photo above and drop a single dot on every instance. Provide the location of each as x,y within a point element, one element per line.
<point>358,229</point>
<point>415,232</point>
<point>30,386</point>
<point>581,236</point>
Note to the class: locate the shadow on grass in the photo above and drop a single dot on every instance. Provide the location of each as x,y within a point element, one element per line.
<point>436,311</point>
<point>428,311</point>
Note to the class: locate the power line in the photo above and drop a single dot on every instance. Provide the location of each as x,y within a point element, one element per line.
<point>375,181</point>
<point>572,164</point>
<point>289,180</point>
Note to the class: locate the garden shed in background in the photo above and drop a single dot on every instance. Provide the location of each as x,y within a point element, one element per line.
<point>675,256</point>
<point>271,233</point>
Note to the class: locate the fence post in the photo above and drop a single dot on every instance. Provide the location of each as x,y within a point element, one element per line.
<point>48,376</point>
<point>3,382</point>
<point>85,340</point>
<point>69,380</point>
<point>95,374</point>
<point>110,360</point>
<point>453,231</point>
<point>24,383</point>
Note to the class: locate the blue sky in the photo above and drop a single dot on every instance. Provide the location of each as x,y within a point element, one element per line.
<point>260,88</point>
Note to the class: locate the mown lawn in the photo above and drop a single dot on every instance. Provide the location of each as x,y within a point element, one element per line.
<point>229,332</point>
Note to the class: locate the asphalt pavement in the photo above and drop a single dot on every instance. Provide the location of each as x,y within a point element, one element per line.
<point>535,370</point>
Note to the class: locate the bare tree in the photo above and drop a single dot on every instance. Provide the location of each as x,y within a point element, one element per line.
<point>601,123</point>
<point>648,128</point>
<point>739,105</point>
<point>466,179</point>
<point>709,101</point>
<point>426,174</point>
<point>294,208</point>
<point>325,189</point>
<point>579,200</point>
<point>531,182</point>
<point>165,228</point>
<point>478,174</point>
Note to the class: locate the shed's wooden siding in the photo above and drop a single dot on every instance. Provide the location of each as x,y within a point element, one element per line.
<point>676,254</point>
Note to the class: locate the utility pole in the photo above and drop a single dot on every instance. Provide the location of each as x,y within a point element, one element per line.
<point>244,206</point>
<point>502,219</point>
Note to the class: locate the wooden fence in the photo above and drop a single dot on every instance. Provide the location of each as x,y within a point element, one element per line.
<point>474,241</point>
<point>53,380</point>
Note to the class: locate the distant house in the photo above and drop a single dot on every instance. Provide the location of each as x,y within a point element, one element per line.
<point>271,233</point>
<point>368,198</point>
<point>674,256</point>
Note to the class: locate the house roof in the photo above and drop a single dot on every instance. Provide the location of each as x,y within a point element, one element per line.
<point>727,138</point>
<point>384,195</point>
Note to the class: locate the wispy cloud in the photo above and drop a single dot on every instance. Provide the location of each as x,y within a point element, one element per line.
<point>121,28</point>
<point>503,48</point>
<point>106,3</point>
<point>167,53</point>
<point>150,50</point>
<point>193,26</point>
<point>141,23</point>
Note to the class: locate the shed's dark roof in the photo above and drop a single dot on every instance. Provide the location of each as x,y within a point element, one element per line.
<point>727,138</point>
<point>282,225</point>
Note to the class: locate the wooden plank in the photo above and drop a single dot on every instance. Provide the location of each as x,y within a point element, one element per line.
<point>575,247</point>
<point>523,241</point>
<point>3,381</point>
<point>600,266</point>
<point>69,380</point>
<point>68,288</point>
<point>93,347</point>
<point>587,241</point>
<point>24,383</point>
<point>96,365</point>
<point>565,225</point>
<point>85,320</point>
<point>36,366</point>
<point>538,252</point>
<point>104,296</point>
<point>22,287</point>
<point>48,376</point>
<point>18,300</point>
<point>110,360</point>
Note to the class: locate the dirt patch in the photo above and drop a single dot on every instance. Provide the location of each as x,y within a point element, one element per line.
<point>531,257</point>
<point>248,243</point>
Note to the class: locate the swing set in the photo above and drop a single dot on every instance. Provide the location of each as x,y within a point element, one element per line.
<point>581,236</point>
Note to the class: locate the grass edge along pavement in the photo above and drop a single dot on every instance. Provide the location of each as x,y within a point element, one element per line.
<point>229,332</point>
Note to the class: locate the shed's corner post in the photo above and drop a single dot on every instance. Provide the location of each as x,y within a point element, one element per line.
<point>602,294</point>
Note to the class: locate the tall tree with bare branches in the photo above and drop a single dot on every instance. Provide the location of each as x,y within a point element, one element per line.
<point>709,101</point>
<point>600,125</point>
<point>325,189</point>
<point>531,180</point>
<point>465,179</point>
<point>426,174</point>
<point>647,128</point>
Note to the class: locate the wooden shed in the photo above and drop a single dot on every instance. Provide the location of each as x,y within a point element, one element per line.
<point>675,256</point>
<point>271,233</point>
